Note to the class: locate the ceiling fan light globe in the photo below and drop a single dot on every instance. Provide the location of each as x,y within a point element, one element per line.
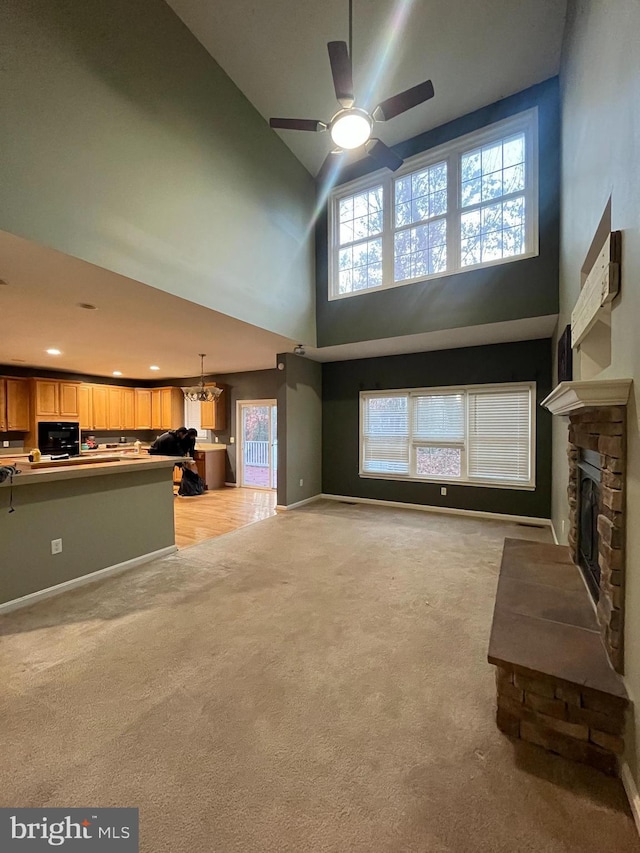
<point>350,130</point>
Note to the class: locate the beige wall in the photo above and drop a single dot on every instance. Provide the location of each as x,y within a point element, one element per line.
<point>123,143</point>
<point>600,84</point>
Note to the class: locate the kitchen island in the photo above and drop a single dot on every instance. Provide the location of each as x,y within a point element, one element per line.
<point>109,515</point>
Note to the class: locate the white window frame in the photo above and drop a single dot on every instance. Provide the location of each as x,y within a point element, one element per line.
<point>414,443</point>
<point>451,152</point>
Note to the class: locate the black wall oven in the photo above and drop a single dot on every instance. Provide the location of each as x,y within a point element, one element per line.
<point>58,437</point>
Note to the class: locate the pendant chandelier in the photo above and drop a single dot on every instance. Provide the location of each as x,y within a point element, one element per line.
<point>199,393</point>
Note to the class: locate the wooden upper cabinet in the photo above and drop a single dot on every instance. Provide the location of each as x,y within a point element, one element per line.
<point>3,405</point>
<point>156,408</point>
<point>213,415</point>
<point>17,404</point>
<point>99,404</point>
<point>85,407</point>
<point>47,398</point>
<point>114,408</point>
<point>128,408</point>
<point>167,416</point>
<point>56,399</point>
<point>143,408</point>
<point>68,400</point>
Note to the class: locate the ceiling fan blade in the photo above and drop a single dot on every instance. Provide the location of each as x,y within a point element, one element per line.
<point>404,101</point>
<point>383,155</point>
<point>297,124</point>
<point>341,71</point>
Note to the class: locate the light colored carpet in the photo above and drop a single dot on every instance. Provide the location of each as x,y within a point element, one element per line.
<point>314,682</point>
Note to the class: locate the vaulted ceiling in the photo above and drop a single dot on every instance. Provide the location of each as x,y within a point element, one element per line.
<point>474,52</point>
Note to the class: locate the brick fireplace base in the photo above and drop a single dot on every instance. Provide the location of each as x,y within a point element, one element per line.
<point>555,684</point>
<point>580,724</point>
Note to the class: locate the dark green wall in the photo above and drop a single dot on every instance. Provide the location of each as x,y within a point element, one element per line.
<point>341,385</point>
<point>299,429</point>
<point>511,291</point>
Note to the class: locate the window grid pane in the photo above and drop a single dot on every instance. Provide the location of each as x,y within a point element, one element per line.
<point>493,232</point>
<point>420,251</point>
<point>360,258</point>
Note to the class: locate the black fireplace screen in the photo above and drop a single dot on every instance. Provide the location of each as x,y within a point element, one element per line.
<point>588,507</point>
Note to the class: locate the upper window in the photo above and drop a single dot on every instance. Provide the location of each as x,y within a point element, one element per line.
<point>478,435</point>
<point>470,203</point>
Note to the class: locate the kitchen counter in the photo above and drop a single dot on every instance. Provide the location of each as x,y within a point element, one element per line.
<point>125,464</point>
<point>75,524</point>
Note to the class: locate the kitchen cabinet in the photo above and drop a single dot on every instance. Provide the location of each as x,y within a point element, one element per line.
<point>213,415</point>
<point>142,407</point>
<point>211,467</point>
<point>68,405</point>
<point>114,408</point>
<point>46,398</point>
<point>167,408</point>
<point>128,408</point>
<point>85,407</point>
<point>14,405</point>
<point>55,399</point>
<point>99,405</point>
<point>17,405</point>
<point>156,408</point>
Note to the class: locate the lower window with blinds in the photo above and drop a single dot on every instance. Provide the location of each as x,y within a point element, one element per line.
<point>472,434</point>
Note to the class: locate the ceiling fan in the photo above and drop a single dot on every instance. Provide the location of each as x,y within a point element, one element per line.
<point>351,127</point>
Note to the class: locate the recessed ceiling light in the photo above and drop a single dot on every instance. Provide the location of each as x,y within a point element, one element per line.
<point>117,373</point>
<point>154,367</point>
<point>87,306</point>
<point>54,351</point>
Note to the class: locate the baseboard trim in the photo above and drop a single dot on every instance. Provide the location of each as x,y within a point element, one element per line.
<point>472,513</point>
<point>283,508</point>
<point>632,792</point>
<point>73,583</point>
<point>233,485</point>
<point>553,533</point>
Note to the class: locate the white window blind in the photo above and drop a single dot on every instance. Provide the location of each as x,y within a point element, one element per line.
<point>439,418</point>
<point>386,435</point>
<point>477,435</point>
<point>500,435</point>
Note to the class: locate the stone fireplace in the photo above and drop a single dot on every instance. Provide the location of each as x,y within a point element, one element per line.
<point>596,495</point>
<point>557,632</point>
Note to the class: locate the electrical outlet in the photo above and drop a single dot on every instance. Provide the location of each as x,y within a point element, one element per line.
<point>56,546</point>
<point>215,439</point>
<point>5,444</point>
<point>232,440</point>
<point>443,490</point>
<point>301,481</point>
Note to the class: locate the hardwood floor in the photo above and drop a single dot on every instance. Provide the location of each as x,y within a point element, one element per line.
<point>219,511</point>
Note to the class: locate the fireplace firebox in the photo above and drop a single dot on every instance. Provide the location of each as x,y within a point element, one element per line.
<point>590,475</point>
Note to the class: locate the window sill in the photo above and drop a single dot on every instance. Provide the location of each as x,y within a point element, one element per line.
<point>485,484</point>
